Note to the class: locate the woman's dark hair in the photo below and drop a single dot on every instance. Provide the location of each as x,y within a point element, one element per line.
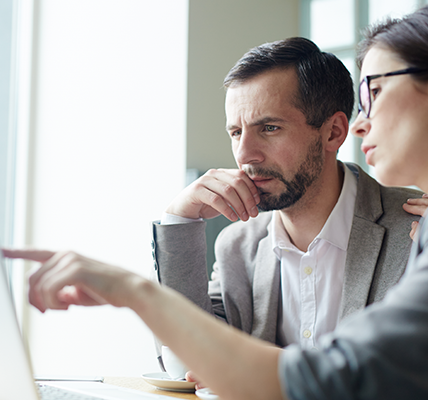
<point>406,37</point>
<point>324,84</point>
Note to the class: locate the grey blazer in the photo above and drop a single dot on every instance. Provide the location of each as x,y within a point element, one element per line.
<point>245,286</point>
<point>380,353</point>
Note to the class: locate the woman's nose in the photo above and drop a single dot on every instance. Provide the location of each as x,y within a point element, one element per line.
<point>361,126</point>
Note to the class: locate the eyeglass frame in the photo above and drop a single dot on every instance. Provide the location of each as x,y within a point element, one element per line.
<point>367,79</point>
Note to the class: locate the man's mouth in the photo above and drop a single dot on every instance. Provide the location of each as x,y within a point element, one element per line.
<point>260,182</point>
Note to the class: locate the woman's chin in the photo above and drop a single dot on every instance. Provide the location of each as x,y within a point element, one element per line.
<point>388,178</point>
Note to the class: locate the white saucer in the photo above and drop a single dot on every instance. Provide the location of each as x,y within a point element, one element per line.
<point>162,381</point>
<point>206,394</point>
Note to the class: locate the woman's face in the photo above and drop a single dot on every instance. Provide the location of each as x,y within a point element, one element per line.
<point>395,136</point>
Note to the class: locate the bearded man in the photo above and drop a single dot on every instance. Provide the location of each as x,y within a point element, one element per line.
<point>330,239</point>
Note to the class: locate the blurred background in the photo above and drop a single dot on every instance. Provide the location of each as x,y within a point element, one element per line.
<point>107,109</point>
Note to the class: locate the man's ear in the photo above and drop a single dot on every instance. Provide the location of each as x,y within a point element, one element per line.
<point>337,130</point>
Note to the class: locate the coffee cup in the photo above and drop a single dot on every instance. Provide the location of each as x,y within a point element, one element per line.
<point>173,366</point>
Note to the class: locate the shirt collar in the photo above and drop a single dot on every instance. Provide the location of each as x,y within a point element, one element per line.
<point>280,238</point>
<point>337,228</point>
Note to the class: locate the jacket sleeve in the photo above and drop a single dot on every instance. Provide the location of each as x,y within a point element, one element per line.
<point>179,255</point>
<point>180,258</point>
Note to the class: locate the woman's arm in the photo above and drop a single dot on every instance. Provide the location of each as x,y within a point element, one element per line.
<point>232,363</point>
<point>416,207</point>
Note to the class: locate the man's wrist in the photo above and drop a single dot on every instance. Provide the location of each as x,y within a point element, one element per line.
<point>171,219</point>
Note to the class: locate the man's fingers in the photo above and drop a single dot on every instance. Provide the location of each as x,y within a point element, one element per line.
<point>230,194</point>
<point>219,191</point>
<point>241,175</point>
<point>213,200</point>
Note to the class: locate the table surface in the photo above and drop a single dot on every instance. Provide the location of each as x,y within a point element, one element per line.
<point>140,384</point>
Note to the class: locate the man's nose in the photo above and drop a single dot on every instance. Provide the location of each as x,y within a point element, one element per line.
<point>361,126</point>
<point>248,150</point>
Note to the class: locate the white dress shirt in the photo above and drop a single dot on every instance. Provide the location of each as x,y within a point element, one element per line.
<point>311,282</point>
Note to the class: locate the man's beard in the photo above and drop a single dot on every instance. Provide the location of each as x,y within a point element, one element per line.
<point>306,175</point>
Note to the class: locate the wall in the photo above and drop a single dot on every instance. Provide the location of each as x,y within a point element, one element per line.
<point>6,142</point>
<point>107,154</point>
<point>220,32</point>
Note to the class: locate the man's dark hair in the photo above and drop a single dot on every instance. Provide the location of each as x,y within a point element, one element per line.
<point>406,37</point>
<point>324,84</point>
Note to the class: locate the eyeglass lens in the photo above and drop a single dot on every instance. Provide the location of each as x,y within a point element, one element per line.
<point>364,97</point>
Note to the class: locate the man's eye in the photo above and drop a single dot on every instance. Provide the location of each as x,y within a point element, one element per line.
<point>235,134</point>
<point>271,128</point>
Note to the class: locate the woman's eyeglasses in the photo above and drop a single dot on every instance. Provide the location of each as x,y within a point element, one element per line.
<point>365,95</point>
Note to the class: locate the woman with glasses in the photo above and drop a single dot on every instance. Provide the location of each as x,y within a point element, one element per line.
<point>380,353</point>
<point>402,41</point>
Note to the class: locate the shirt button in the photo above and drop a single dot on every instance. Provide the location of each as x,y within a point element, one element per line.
<point>307,333</point>
<point>308,270</point>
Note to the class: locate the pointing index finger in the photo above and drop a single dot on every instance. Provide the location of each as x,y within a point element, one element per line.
<point>29,254</point>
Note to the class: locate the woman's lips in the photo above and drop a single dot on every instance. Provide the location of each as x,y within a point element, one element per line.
<point>368,151</point>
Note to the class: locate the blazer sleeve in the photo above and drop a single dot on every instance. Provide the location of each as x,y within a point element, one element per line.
<point>179,251</point>
<point>379,353</point>
<point>180,258</point>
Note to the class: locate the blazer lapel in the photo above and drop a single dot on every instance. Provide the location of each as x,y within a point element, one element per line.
<point>364,246</point>
<point>266,291</point>
<point>365,243</point>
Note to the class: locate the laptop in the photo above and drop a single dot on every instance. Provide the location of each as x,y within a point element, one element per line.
<point>16,376</point>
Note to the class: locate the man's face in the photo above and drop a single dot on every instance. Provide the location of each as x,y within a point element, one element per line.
<point>271,140</point>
